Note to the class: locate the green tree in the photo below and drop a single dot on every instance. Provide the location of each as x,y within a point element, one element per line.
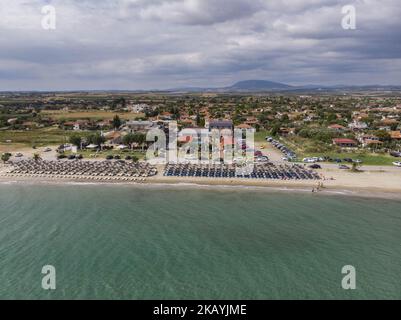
<point>116,122</point>
<point>96,139</point>
<point>129,140</point>
<point>275,129</point>
<point>76,140</point>
<point>5,157</point>
<point>383,135</point>
<point>36,157</point>
<point>140,139</point>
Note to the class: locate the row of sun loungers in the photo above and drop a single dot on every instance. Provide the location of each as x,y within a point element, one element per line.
<point>260,171</point>
<point>92,170</point>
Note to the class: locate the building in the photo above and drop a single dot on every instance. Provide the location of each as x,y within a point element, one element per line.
<point>336,127</point>
<point>220,125</point>
<point>345,143</point>
<point>368,140</point>
<point>356,125</point>
<point>395,135</point>
<point>135,126</point>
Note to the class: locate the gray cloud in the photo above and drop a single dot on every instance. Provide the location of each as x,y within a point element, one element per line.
<point>143,44</point>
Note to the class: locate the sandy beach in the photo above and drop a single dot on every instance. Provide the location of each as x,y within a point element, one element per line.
<point>372,181</point>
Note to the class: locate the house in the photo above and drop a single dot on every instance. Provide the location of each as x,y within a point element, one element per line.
<point>135,126</point>
<point>29,125</point>
<point>139,108</point>
<point>357,125</point>
<point>372,143</point>
<point>336,127</point>
<point>389,122</point>
<point>395,135</point>
<point>252,121</point>
<point>77,125</point>
<point>114,137</point>
<point>244,126</point>
<point>286,131</point>
<point>220,125</point>
<point>345,143</point>
<point>188,135</point>
<point>12,121</point>
<point>368,139</point>
<point>105,124</point>
<point>68,125</point>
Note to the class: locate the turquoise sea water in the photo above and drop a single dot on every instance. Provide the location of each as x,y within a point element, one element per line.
<point>124,242</point>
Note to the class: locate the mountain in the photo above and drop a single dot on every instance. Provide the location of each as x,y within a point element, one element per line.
<point>270,86</point>
<point>258,85</point>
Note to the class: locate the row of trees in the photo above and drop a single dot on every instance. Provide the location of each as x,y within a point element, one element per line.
<point>97,139</point>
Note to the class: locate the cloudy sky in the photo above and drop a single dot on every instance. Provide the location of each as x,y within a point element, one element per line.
<point>149,44</point>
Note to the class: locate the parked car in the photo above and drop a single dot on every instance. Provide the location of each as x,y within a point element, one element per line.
<point>344,167</point>
<point>109,157</point>
<point>19,155</point>
<point>48,150</point>
<point>315,166</point>
<point>397,163</point>
<point>262,159</point>
<point>396,154</point>
<point>309,160</point>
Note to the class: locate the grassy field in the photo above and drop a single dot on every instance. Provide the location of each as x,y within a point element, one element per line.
<point>303,148</point>
<point>261,136</point>
<point>91,115</point>
<point>367,158</point>
<point>39,137</point>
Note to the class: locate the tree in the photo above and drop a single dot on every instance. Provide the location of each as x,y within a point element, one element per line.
<point>383,135</point>
<point>275,129</point>
<point>36,157</point>
<point>129,140</point>
<point>140,139</point>
<point>5,157</point>
<point>76,140</point>
<point>116,122</point>
<point>96,139</point>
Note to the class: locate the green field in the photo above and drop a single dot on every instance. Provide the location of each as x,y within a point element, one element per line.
<point>37,137</point>
<point>367,158</point>
<point>95,115</point>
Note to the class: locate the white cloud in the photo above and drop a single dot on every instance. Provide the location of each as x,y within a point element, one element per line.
<point>164,43</point>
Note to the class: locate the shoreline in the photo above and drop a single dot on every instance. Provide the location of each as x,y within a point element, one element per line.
<point>331,188</point>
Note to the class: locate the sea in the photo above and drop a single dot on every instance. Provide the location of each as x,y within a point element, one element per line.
<point>187,242</point>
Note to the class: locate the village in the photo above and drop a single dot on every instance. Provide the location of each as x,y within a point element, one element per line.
<point>360,128</point>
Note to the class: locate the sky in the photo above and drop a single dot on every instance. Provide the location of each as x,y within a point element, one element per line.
<point>160,44</point>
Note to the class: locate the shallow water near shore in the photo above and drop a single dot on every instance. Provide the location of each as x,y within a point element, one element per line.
<point>119,242</point>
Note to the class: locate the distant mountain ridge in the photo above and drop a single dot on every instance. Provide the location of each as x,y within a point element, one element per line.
<point>258,85</point>
<point>271,86</point>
